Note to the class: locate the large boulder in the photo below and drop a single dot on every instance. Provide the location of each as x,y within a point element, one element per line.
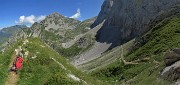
<point>172,70</point>
<point>171,73</point>
<point>172,57</point>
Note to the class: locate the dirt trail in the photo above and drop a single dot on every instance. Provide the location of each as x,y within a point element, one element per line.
<point>124,61</point>
<point>12,77</point>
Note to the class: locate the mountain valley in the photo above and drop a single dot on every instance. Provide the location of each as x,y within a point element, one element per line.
<point>130,42</point>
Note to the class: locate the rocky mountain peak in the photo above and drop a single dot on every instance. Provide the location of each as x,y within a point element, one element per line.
<point>54,15</point>
<point>105,10</point>
<point>57,21</point>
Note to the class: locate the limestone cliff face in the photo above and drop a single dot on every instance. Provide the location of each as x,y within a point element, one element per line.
<point>127,19</point>
<point>104,13</point>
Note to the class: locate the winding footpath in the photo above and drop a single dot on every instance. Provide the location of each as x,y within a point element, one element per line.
<point>12,77</point>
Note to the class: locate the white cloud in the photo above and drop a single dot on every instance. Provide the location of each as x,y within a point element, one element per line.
<point>28,25</point>
<point>77,15</point>
<point>29,19</point>
<point>40,18</point>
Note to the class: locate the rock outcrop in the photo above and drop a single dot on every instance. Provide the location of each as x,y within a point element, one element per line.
<point>172,57</point>
<point>127,19</point>
<point>172,61</point>
<point>35,29</point>
<point>56,21</point>
<point>172,72</point>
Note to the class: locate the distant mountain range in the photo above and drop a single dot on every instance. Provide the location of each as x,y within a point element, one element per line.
<point>7,32</point>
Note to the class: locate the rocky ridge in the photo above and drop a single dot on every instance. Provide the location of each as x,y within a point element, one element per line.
<point>54,30</point>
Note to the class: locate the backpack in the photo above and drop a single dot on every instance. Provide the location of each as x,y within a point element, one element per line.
<point>19,62</point>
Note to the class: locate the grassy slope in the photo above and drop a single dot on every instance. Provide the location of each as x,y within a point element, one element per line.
<point>106,58</point>
<point>5,59</point>
<point>43,70</point>
<point>55,42</point>
<point>4,63</point>
<point>3,39</point>
<point>163,37</point>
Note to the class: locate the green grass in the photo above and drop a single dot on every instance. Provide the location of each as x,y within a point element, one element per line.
<point>145,78</point>
<point>107,56</point>
<point>69,52</point>
<point>5,59</point>
<point>4,65</point>
<point>43,70</point>
<point>119,71</point>
<point>163,37</point>
<point>139,2</point>
<point>76,48</point>
<point>55,41</point>
<point>3,39</point>
<point>50,36</point>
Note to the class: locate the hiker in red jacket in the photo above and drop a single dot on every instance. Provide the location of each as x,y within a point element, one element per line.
<point>19,62</point>
<point>17,65</point>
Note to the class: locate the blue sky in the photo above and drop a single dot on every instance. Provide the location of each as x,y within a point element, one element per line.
<point>34,10</point>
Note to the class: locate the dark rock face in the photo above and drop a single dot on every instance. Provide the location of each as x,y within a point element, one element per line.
<point>172,57</point>
<point>172,61</point>
<point>172,74</point>
<point>127,19</point>
<point>104,13</point>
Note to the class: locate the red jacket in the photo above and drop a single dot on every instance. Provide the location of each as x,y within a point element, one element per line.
<point>19,62</point>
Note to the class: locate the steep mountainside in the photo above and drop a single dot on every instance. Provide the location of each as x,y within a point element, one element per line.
<point>142,64</point>
<point>3,36</point>
<point>127,19</point>
<point>43,66</point>
<point>123,20</point>
<point>11,30</point>
<point>153,62</point>
<point>86,23</point>
<point>63,27</point>
<point>57,31</point>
